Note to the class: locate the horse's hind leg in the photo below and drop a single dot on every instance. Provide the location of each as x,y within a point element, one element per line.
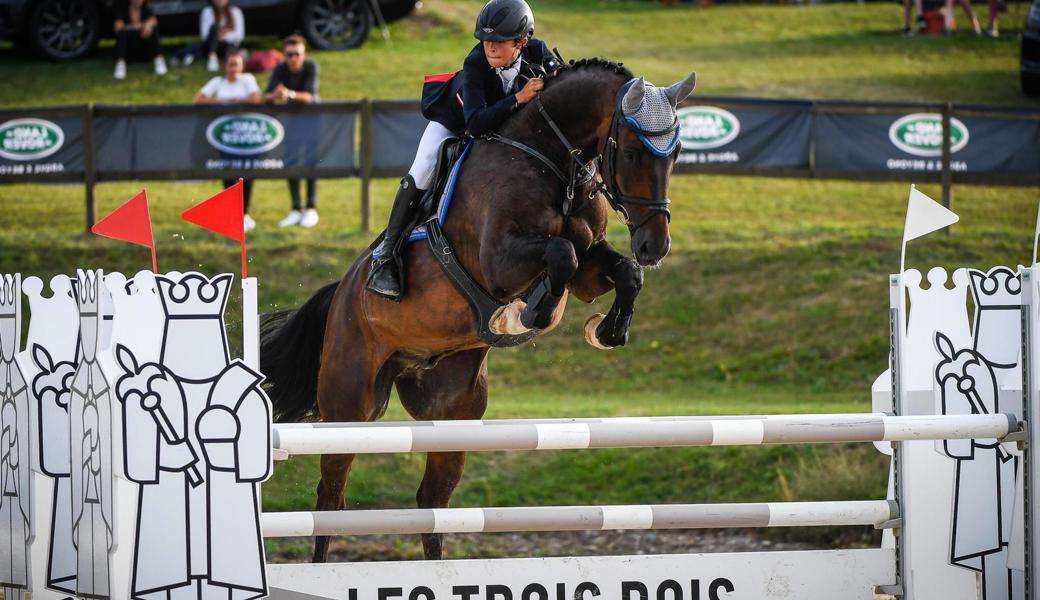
<point>455,389</point>
<point>355,387</point>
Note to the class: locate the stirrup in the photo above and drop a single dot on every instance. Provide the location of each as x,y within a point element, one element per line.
<point>377,267</point>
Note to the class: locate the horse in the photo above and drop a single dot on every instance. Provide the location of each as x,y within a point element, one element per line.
<point>514,221</point>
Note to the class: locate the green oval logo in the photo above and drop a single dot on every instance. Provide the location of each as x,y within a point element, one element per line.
<point>30,139</point>
<point>245,134</point>
<point>705,127</point>
<point>920,134</point>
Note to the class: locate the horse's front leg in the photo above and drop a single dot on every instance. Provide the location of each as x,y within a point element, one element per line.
<point>518,258</point>
<point>604,268</point>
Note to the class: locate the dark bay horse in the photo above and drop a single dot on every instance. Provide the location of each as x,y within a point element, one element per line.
<point>345,348</point>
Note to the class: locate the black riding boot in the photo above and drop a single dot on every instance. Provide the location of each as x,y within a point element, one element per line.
<point>384,279</point>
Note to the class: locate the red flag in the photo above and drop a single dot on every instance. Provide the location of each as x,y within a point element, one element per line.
<point>129,223</point>
<point>222,213</point>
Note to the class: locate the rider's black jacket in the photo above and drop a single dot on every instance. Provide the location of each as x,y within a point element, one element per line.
<point>472,102</point>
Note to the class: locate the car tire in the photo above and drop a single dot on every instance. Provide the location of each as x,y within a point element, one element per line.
<point>64,29</point>
<point>336,24</point>
<point>1031,84</point>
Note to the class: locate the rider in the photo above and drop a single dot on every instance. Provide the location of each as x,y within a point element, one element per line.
<point>473,102</point>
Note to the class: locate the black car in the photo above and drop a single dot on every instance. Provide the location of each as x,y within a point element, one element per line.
<point>1030,65</point>
<point>61,29</point>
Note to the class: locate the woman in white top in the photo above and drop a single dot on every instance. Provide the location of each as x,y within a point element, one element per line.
<point>222,29</point>
<point>234,87</point>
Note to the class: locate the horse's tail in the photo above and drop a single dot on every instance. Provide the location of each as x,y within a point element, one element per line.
<point>290,355</point>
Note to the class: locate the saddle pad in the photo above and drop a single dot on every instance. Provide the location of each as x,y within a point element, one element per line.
<point>443,204</point>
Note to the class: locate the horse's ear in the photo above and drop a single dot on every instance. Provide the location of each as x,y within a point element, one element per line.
<point>633,97</point>
<point>677,92</point>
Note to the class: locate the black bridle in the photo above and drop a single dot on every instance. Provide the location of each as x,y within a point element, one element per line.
<point>582,172</point>
<point>610,186</point>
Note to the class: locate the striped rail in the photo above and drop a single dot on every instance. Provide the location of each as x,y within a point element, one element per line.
<point>464,436</point>
<point>575,518</point>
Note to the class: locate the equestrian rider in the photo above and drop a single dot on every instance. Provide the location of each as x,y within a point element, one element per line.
<point>473,102</point>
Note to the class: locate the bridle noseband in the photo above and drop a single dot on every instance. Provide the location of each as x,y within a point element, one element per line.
<point>582,173</point>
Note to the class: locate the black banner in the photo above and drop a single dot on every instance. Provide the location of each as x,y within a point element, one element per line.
<point>395,137</point>
<point>755,135</point>
<point>880,141</point>
<point>248,140</point>
<point>911,141</point>
<point>42,145</point>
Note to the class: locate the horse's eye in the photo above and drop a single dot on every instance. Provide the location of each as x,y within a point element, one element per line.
<point>630,155</point>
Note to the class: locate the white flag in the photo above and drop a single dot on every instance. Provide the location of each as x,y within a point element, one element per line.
<point>924,215</point>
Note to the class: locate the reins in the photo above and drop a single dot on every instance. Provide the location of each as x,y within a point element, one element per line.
<point>582,173</point>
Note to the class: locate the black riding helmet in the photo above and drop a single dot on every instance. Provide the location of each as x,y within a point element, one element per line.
<point>502,20</point>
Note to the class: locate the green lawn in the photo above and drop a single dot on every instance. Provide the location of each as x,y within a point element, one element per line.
<point>846,51</point>
<point>773,300</point>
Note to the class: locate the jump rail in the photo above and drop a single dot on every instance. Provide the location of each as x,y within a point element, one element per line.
<point>579,518</point>
<point>470,436</point>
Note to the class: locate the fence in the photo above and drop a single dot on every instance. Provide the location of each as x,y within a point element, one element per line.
<point>869,141</point>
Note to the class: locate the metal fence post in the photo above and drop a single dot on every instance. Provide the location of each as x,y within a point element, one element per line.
<point>89,169</point>
<point>366,165</point>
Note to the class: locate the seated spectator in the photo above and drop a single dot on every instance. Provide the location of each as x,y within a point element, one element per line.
<point>295,80</point>
<point>222,29</point>
<point>233,87</point>
<point>137,34</point>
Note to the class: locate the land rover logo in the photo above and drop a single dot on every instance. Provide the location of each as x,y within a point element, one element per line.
<point>705,127</point>
<point>245,134</point>
<point>920,134</point>
<point>29,139</point>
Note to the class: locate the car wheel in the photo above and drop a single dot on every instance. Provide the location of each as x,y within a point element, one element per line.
<point>336,24</point>
<point>63,29</point>
<point>1031,84</point>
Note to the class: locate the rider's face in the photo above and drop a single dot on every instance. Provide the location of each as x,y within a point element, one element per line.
<point>502,54</point>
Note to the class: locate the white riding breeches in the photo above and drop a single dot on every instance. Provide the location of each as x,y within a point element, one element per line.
<point>426,156</point>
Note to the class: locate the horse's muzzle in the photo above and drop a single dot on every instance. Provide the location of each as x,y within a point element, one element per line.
<point>649,250</point>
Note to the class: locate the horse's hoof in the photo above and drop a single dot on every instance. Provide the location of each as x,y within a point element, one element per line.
<point>506,320</point>
<point>590,331</point>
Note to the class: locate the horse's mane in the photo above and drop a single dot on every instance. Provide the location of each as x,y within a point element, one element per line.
<point>593,63</point>
<point>600,63</point>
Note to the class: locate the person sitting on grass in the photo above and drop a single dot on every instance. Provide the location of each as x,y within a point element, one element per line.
<point>222,29</point>
<point>234,87</point>
<point>137,34</point>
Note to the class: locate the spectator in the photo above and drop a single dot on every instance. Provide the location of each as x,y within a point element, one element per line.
<point>968,10</point>
<point>137,33</point>
<point>918,6</point>
<point>234,87</point>
<point>222,29</point>
<point>295,80</point>
<point>994,15</point>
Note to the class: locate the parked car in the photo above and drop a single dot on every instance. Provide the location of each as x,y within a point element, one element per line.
<point>63,29</point>
<point>1030,66</point>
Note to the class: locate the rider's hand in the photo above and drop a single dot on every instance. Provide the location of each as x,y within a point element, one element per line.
<point>532,87</point>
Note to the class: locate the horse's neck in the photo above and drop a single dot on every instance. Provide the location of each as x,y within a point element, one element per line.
<point>580,106</point>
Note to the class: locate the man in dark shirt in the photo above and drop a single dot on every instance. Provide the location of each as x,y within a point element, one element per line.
<point>295,80</point>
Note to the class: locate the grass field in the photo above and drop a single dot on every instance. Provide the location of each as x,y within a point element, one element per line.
<point>773,299</point>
